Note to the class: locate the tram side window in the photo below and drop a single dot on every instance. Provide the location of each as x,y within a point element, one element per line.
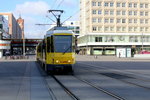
<point>52,44</point>
<point>73,44</point>
<point>39,48</point>
<point>48,44</point>
<point>43,45</point>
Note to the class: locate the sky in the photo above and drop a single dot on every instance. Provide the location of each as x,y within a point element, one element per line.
<point>35,12</point>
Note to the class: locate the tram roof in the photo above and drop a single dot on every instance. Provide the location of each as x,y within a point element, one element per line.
<point>58,30</point>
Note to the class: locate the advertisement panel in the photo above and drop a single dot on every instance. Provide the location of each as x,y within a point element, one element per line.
<point>128,52</point>
<point>121,52</point>
<point>4,44</point>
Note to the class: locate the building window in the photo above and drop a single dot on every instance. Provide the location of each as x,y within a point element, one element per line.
<point>106,12</point>
<point>106,4</point>
<point>130,29</point>
<point>106,20</point>
<point>141,5</point>
<point>99,20</point>
<point>146,13</point>
<point>130,5</point>
<point>111,4</point>
<point>94,20</point>
<point>118,4</point>
<point>106,28</point>
<point>94,29</point>
<point>141,29</point>
<point>99,12</point>
<point>146,29</point>
<point>146,5</point>
<point>146,21</point>
<point>141,21</point>
<point>118,28</point>
<point>99,3</point>
<point>130,20</point>
<point>118,12</point>
<point>123,4</point>
<point>135,13</point>
<point>123,20</point>
<point>99,28</point>
<point>1,26</point>
<point>98,39</point>
<point>135,20</point>
<point>135,29</point>
<point>123,29</point>
<point>111,20</point>
<point>111,12</point>
<point>133,39</point>
<point>111,28</point>
<point>130,12</point>
<point>123,12</point>
<point>135,5</point>
<point>141,13</point>
<point>118,20</point>
<point>93,3</point>
<point>94,11</point>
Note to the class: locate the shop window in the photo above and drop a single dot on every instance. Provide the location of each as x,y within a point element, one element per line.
<point>1,26</point>
<point>98,39</point>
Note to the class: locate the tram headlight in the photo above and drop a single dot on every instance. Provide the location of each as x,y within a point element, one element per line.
<point>69,61</point>
<point>57,61</point>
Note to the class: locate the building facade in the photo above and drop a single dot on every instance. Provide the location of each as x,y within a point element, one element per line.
<point>4,29</point>
<point>10,28</point>
<point>21,24</point>
<point>14,28</point>
<point>109,24</point>
<point>74,26</point>
<point>4,34</point>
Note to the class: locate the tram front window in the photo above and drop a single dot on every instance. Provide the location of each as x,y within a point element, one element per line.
<point>63,43</point>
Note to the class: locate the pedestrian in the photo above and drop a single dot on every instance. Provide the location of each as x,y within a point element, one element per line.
<point>119,54</point>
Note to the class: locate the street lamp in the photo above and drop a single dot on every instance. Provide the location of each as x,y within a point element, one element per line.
<point>23,46</point>
<point>142,41</point>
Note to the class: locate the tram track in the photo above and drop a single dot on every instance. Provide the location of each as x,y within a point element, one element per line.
<point>53,96</point>
<point>101,89</point>
<point>114,71</point>
<point>72,95</point>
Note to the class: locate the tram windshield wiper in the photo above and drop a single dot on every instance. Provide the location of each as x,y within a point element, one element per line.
<point>67,49</point>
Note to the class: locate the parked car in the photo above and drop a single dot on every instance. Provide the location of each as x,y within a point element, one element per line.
<point>145,52</point>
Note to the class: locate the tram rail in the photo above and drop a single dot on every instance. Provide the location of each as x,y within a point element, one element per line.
<point>54,97</point>
<point>101,89</point>
<point>115,70</point>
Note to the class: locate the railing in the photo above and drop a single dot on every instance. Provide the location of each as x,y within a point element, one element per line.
<point>16,57</point>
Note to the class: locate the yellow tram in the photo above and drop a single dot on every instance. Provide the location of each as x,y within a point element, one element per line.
<point>57,50</point>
